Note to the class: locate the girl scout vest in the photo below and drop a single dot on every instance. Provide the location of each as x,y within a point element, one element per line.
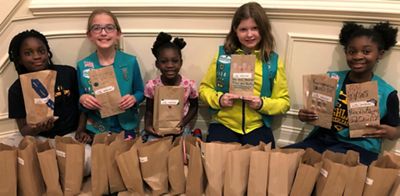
<point>384,89</point>
<point>268,75</point>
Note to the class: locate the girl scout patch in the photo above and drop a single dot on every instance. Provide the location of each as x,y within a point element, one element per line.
<point>85,73</point>
<point>88,64</point>
<point>225,59</point>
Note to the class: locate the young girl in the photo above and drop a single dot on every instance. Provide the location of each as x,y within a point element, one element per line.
<point>247,119</point>
<point>363,47</point>
<point>104,31</point>
<point>169,62</point>
<point>30,52</point>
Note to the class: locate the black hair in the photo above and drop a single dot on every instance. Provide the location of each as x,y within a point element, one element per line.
<point>383,34</point>
<point>163,41</point>
<point>15,47</point>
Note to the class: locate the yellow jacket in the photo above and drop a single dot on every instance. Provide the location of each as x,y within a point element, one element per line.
<point>234,117</point>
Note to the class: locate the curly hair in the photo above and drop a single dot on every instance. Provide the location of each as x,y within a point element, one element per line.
<point>383,34</point>
<point>15,47</point>
<point>163,41</point>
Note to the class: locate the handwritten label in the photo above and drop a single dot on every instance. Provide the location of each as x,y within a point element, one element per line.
<point>60,153</point>
<point>143,159</point>
<point>21,161</point>
<point>104,90</point>
<point>323,172</point>
<point>169,102</point>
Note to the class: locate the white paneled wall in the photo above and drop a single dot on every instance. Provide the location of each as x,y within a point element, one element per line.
<point>306,33</point>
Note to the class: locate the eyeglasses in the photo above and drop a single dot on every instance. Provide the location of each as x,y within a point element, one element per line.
<point>107,28</point>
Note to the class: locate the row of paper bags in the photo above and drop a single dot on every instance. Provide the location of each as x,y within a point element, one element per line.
<point>212,168</point>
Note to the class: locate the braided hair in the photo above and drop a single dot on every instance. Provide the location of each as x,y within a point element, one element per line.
<point>15,47</point>
<point>163,41</point>
<point>383,34</point>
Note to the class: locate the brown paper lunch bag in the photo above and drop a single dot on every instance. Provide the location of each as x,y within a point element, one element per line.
<point>381,176</point>
<point>237,170</point>
<point>70,159</point>
<point>242,74</point>
<point>8,170</point>
<point>333,174</point>
<point>196,178</point>
<point>38,91</point>
<point>176,174</point>
<point>258,170</point>
<point>214,155</point>
<point>153,158</point>
<point>129,167</point>
<point>49,168</point>
<point>307,173</point>
<point>116,147</point>
<point>30,180</point>
<point>356,175</point>
<point>100,160</point>
<point>396,187</point>
<point>283,165</point>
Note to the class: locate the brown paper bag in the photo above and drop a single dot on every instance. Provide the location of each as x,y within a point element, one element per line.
<point>8,170</point>
<point>214,161</point>
<point>237,171</point>
<point>356,174</point>
<point>100,162</point>
<point>153,157</point>
<point>333,174</point>
<point>319,94</point>
<point>176,175</point>
<point>242,75</point>
<point>283,165</point>
<point>49,168</point>
<point>30,180</point>
<point>106,90</point>
<point>381,177</point>
<point>196,178</point>
<point>307,173</point>
<point>38,92</point>
<point>168,109</point>
<point>129,167</point>
<point>116,147</point>
<point>363,107</point>
<point>396,187</point>
<point>70,159</point>
<point>258,171</point>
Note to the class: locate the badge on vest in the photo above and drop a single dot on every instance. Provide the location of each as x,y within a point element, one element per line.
<point>225,59</point>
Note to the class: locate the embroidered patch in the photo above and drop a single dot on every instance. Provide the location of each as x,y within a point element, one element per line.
<point>85,73</point>
<point>88,64</point>
<point>224,59</point>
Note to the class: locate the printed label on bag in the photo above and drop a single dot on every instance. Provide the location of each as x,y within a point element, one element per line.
<point>104,90</point>
<point>242,75</point>
<point>323,172</point>
<point>143,159</point>
<point>322,97</point>
<point>60,153</point>
<point>21,161</point>
<point>41,100</point>
<point>362,104</point>
<point>369,181</point>
<point>169,102</point>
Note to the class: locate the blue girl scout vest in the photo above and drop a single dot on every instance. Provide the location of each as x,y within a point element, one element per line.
<point>268,75</point>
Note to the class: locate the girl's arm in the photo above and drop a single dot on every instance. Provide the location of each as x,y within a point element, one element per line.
<point>207,91</point>
<point>138,87</point>
<point>148,116</point>
<point>34,130</point>
<point>194,106</point>
<point>80,133</point>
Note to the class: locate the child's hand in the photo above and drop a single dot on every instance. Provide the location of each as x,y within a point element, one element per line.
<point>180,128</point>
<point>383,131</point>
<point>254,102</point>
<point>83,137</point>
<point>227,99</point>
<point>127,102</point>
<point>90,102</point>
<point>151,130</point>
<point>45,125</point>
<point>307,115</point>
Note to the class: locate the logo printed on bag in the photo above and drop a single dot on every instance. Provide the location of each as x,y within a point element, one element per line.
<point>323,172</point>
<point>369,181</point>
<point>104,90</point>
<point>242,75</point>
<point>60,153</point>
<point>143,159</point>
<point>21,161</point>
<point>169,102</point>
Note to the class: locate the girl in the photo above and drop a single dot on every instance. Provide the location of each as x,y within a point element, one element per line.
<point>363,47</point>
<point>30,52</point>
<point>169,62</point>
<point>247,119</point>
<point>104,31</point>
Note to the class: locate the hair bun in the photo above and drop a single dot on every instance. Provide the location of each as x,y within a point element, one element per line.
<point>179,42</point>
<point>162,38</point>
<point>388,34</point>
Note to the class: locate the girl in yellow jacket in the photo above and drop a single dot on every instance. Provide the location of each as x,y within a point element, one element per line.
<point>246,119</point>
